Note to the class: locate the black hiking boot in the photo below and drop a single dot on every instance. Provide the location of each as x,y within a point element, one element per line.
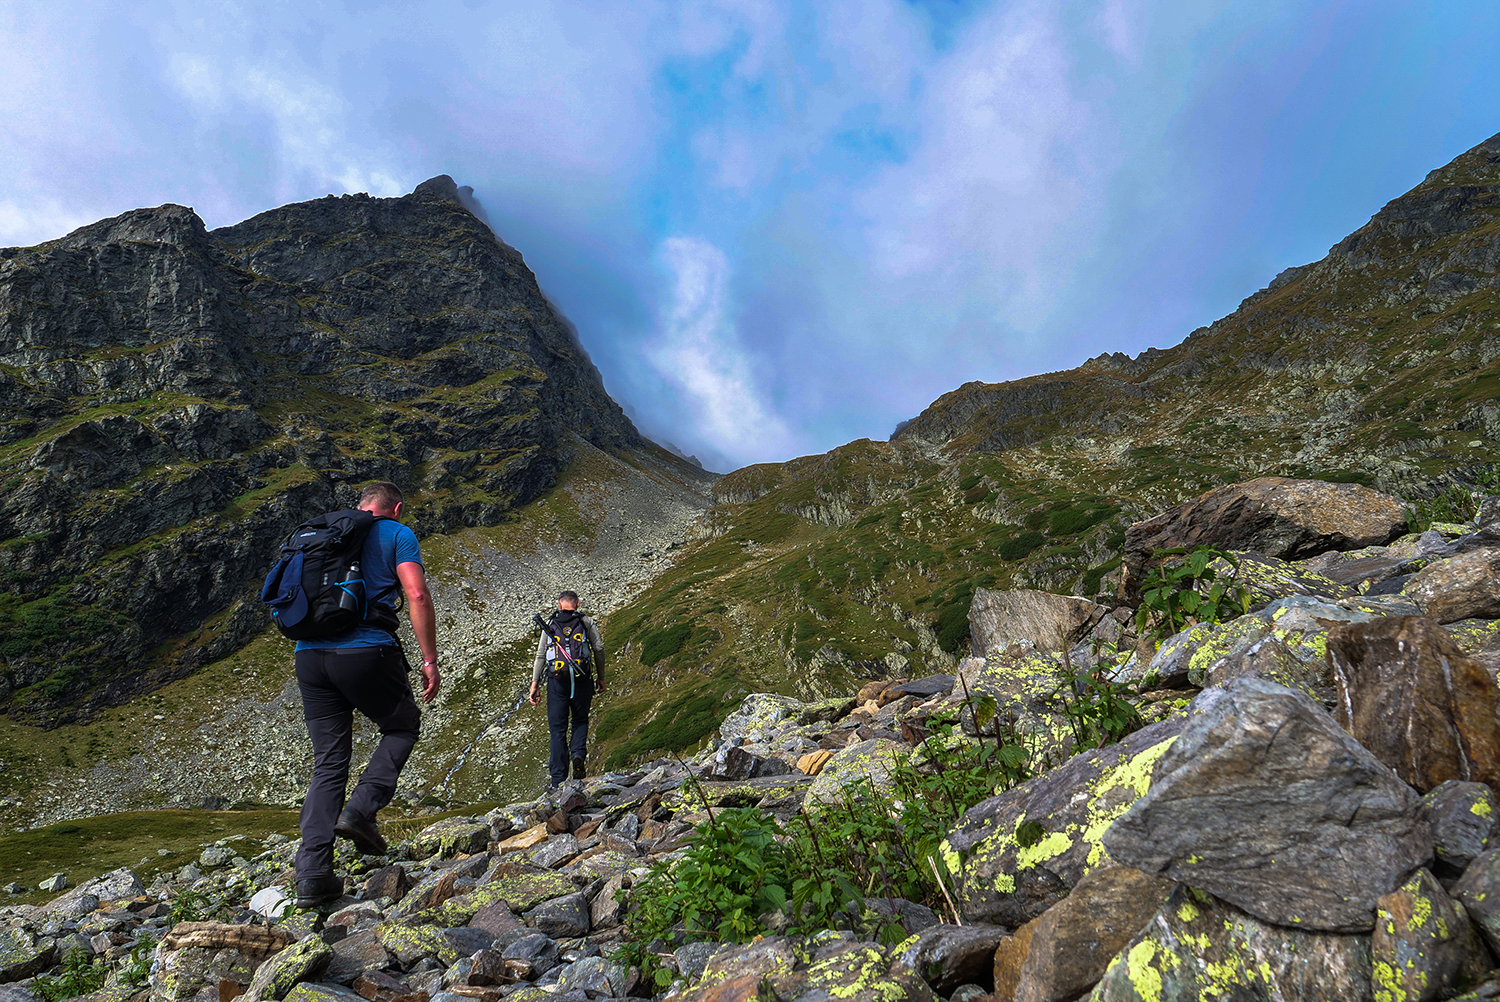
<point>363,832</point>
<point>578,768</point>
<point>315,891</point>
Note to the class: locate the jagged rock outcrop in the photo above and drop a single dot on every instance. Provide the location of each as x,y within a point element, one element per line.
<point>177,399</point>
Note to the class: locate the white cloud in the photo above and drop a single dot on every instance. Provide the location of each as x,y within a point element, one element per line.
<point>698,351</point>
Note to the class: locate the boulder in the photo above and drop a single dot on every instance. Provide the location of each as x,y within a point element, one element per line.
<point>1263,791</point>
<point>452,837</point>
<point>912,917</point>
<point>556,851</point>
<point>182,974</point>
<point>813,762</point>
<point>1283,518</point>
<point>410,943</point>
<point>605,911</point>
<point>531,956</point>
<point>947,956</point>
<point>1062,954</point>
<point>304,961</point>
<point>309,991</point>
<point>1267,579</point>
<point>22,954</point>
<point>518,886</point>
<point>733,762</point>
<point>758,712</point>
<point>1017,853</point>
<point>388,882</point>
<point>691,958</point>
<point>214,856</point>
<point>1463,587</point>
<point>871,760</point>
<point>566,917</point>
<point>1410,696</point>
<point>1424,947</point>
<point>863,972</point>
<point>1049,622</point>
<point>1462,818</point>
<point>926,688</point>
<point>496,919</point>
<point>255,941</point>
<point>1359,569</point>
<point>1479,891</point>
<point>117,885</point>
<point>356,955</point>
<point>54,883</point>
<point>1266,658</point>
<point>826,710</point>
<point>1198,947</point>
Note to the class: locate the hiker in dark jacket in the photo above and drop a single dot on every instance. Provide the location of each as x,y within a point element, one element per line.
<point>575,674</point>
<point>365,670</point>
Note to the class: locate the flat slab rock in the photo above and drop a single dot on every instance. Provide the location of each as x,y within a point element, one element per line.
<point>1264,791</point>
<point>1047,621</point>
<point>1280,517</point>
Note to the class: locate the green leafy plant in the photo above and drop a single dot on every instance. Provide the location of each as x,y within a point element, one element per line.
<point>190,906</point>
<point>1186,588</point>
<point>1099,710</point>
<point>81,974</point>
<point>136,970</point>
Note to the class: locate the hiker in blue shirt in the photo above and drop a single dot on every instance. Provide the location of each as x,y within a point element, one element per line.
<point>363,669</point>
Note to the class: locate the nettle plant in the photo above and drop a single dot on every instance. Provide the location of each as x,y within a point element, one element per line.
<point>1187,589</point>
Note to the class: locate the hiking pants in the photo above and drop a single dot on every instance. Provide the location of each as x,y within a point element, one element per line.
<point>335,683</point>
<point>563,709</point>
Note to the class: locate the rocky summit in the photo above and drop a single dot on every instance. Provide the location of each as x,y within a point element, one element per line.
<point>175,400</point>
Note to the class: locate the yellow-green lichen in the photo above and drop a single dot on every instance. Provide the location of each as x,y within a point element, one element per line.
<point>1145,979</point>
<point>1482,808</point>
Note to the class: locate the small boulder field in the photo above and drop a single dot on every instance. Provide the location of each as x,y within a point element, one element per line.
<point>1269,771</point>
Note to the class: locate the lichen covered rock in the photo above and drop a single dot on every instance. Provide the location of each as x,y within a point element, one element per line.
<point>452,837</point>
<point>1019,852</point>
<point>1198,947</point>
<point>1423,947</point>
<point>1263,791</point>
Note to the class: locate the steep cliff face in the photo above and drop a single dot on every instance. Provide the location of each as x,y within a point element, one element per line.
<point>175,400</point>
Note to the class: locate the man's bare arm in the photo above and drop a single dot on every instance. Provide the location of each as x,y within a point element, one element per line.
<point>423,623</point>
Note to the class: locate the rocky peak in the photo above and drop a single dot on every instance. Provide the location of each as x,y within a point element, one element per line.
<point>176,400</point>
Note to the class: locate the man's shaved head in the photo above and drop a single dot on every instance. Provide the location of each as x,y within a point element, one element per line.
<point>381,496</point>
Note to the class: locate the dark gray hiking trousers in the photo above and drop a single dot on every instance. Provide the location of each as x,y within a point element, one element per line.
<point>335,683</point>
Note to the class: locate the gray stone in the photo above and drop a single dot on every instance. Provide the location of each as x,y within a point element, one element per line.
<point>536,953</point>
<point>1048,622</point>
<point>1197,947</point>
<point>864,760</point>
<point>556,851</point>
<point>1424,947</point>
<point>926,688</point>
<point>1280,517</point>
<point>22,954</point>
<point>595,977</point>
<point>562,918</point>
<point>1463,587</point>
<point>388,882</point>
<point>303,961</point>
<point>356,954</point>
<point>1023,682</point>
<point>56,882</point>
<point>735,763</point>
<point>117,885</point>
<point>1263,791</point>
<point>495,918</point>
<point>14,888</point>
<point>71,905</point>
<point>947,956</point>
<point>1462,818</point>
<point>1005,882</point>
<point>1479,890</point>
<point>692,958</point>
<point>758,712</point>
<point>317,992</point>
<point>452,837</point>
<point>911,916</point>
<point>215,856</point>
<point>605,911</point>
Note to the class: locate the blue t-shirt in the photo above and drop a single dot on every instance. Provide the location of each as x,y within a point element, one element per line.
<point>388,544</point>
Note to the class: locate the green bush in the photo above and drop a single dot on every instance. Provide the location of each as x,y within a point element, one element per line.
<point>953,625</point>
<point>80,975</point>
<point>1186,589</point>
<point>1022,546</point>
<point>664,643</point>
<point>970,482</point>
<point>1070,521</point>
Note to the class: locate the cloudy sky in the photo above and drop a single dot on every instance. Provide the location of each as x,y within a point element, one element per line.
<point>780,226</point>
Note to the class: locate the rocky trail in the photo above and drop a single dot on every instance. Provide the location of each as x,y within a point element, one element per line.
<point>1293,798</point>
